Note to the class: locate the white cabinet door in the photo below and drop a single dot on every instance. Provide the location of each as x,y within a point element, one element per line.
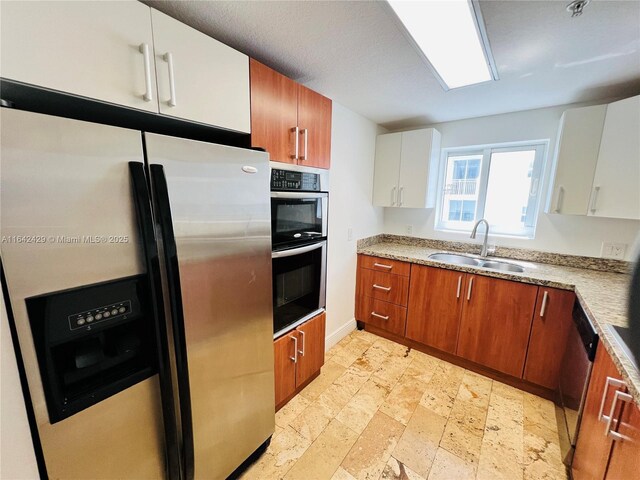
<point>91,49</point>
<point>387,169</point>
<point>199,78</point>
<point>616,186</point>
<point>418,166</point>
<point>577,150</point>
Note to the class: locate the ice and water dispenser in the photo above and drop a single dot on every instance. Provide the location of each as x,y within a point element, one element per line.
<point>92,342</point>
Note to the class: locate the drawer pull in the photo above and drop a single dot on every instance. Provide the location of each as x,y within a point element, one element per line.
<point>383,317</point>
<point>379,287</point>
<point>610,381</point>
<point>382,265</point>
<point>625,397</point>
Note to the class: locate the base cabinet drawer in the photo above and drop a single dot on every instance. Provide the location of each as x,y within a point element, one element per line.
<point>383,286</point>
<point>384,265</point>
<point>384,315</point>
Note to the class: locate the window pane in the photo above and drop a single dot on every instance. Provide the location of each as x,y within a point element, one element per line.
<point>455,207</point>
<point>508,189</point>
<point>461,188</point>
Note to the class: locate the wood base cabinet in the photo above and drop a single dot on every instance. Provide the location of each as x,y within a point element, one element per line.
<point>298,356</point>
<point>436,297</point>
<point>607,449</point>
<point>495,323</point>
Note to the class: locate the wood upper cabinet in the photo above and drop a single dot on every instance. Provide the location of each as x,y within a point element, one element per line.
<point>288,120</point>
<point>311,337</point>
<point>314,123</point>
<point>496,322</point>
<point>593,446</point>
<point>200,78</point>
<point>624,462</point>
<point>298,355</point>
<point>551,323</point>
<point>98,50</point>
<point>285,366</point>
<point>436,297</point>
<point>274,112</point>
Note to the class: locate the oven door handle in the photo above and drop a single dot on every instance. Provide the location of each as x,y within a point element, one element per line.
<point>299,194</point>
<point>298,251</point>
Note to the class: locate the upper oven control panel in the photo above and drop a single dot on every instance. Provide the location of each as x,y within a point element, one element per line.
<point>290,180</point>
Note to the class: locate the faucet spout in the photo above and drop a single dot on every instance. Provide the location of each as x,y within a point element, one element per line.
<point>483,253</point>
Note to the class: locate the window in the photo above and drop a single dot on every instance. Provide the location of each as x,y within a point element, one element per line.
<point>498,182</point>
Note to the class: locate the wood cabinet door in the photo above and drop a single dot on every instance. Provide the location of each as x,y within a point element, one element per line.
<point>624,462</point>
<point>593,446</point>
<point>387,169</point>
<point>91,49</point>
<point>274,112</point>
<point>615,192</point>
<point>285,359</point>
<point>551,323</point>
<point>200,78</point>
<point>435,303</point>
<point>314,122</point>
<point>311,336</point>
<point>496,322</point>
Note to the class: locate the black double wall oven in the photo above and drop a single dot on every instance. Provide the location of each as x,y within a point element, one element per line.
<point>299,205</point>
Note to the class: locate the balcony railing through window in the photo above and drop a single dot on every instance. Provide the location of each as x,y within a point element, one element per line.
<point>461,187</point>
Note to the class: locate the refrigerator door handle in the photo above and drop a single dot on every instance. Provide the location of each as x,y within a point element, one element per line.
<point>164,220</point>
<point>142,201</point>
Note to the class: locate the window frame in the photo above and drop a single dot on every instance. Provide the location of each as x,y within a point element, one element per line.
<point>541,148</point>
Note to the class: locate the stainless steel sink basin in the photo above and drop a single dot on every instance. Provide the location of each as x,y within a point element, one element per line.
<point>457,259</point>
<point>502,266</point>
<point>476,262</point>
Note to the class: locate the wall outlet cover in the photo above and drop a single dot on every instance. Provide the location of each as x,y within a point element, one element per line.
<point>409,229</point>
<point>614,250</point>
<point>349,234</point>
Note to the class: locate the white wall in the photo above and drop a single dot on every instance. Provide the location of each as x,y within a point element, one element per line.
<point>353,141</point>
<point>555,233</point>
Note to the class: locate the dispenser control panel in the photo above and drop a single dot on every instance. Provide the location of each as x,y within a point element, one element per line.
<point>100,314</point>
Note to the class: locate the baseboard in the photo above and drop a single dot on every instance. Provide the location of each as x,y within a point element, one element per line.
<point>339,334</point>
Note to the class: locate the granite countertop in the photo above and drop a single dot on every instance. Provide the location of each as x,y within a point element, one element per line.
<point>603,295</point>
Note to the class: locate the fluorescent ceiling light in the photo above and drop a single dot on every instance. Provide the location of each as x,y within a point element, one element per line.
<point>449,35</point>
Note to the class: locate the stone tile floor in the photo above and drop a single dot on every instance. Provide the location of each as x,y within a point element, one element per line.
<point>381,411</point>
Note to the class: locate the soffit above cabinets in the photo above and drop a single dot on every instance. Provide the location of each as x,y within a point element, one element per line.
<point>357,54</point>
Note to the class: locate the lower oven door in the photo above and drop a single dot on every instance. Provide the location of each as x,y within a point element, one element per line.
<point>299,280</point>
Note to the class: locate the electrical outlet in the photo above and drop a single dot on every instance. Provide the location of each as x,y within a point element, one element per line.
<point>613,250</point>
<point>349,234</point>
<point>409,229</point>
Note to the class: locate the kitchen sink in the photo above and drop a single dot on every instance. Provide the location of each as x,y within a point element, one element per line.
<point>476,262</point>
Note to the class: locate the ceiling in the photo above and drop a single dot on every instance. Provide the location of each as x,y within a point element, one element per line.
<point>356,53</point>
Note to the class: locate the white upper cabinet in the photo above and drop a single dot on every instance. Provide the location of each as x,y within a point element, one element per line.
<point>576,158</point>
<point>616,185</point>
<point>199,78</point>
<point>406,166</point>
<point>98,50</point>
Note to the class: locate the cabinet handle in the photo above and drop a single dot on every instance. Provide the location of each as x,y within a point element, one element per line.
<point>560,199</point>
<point>168,57</point>
<point>383,317</point>
<point>382,265</point>
<point>594,199</point>
<point>301,352</point>
<point>393,196</point>
<point>296,134</point>
<point>379,287</point>
<point>294,359</point>
<point>610,381</point>
<point>401,194</point>
<point>459,286</point>
<point>625,397</point>
<point>545,297</point>
<point>305,133</point>
<point>144,50</point>
<point>470,287</point>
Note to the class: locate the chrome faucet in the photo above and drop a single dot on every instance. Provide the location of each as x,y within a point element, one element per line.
<point>484,251</point>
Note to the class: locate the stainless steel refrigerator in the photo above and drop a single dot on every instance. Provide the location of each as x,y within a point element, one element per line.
<point>138,270</point>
